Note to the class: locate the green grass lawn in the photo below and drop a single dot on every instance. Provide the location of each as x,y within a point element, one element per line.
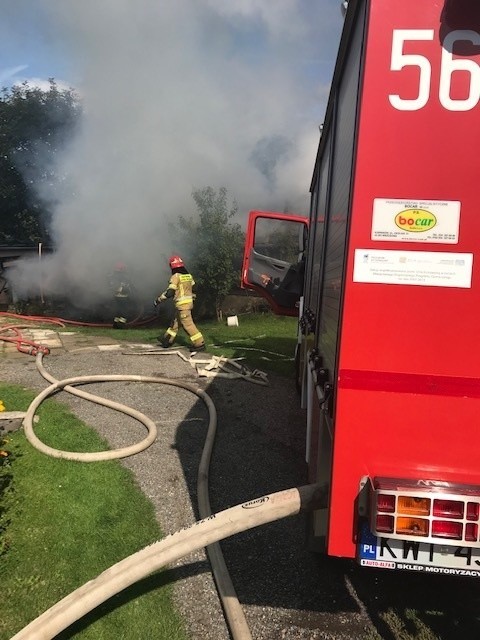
<point>263,341</point>
<point>62,523</point>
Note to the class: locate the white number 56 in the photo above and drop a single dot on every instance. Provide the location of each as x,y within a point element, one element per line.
<point>449,65</point>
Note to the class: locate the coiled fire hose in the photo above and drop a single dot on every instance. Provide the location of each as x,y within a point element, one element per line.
<point>24,346</point>
<point>233,611</point>
<point>204,533</point>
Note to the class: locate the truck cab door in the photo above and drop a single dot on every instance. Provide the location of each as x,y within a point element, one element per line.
<point>274,259</point>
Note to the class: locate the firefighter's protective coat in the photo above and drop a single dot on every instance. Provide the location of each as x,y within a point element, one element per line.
<point>180,287</point>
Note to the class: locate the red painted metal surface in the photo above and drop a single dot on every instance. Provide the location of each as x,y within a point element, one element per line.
<point>246,283</point>
<point>409,358</point>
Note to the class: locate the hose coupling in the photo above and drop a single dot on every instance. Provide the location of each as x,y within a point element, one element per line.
<point>42,349</point>
<point>29,349</point>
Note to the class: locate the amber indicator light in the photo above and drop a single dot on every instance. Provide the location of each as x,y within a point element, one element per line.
<point>413,506</point>
<point>412,526</point>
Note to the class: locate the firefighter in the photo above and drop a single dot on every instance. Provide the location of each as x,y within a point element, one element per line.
<point>121,295</point>
<point>181,288</point>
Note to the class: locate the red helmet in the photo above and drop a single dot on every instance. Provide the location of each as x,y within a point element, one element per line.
<point>175,261</point>
<point>120,266</point>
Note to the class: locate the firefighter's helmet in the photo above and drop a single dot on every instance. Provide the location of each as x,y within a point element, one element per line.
<point>120,266</point>
<point>175,262</point>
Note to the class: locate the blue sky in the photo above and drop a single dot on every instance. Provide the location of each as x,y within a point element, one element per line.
<point>178,95</point>
<point>27,49</point>
<point>32,46</point>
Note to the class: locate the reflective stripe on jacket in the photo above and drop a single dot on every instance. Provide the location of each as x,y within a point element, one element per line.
<point>182,284</point>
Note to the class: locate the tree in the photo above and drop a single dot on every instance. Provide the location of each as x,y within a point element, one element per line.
<point>34,126</point>
<point>212,244</point>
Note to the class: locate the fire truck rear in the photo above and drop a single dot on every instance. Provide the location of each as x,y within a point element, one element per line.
<point>387,288</point>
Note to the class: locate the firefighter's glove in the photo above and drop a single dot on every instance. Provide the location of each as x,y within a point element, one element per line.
<point>159,299</point>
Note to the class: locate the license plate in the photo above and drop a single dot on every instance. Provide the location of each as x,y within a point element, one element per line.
<point>389,553</point>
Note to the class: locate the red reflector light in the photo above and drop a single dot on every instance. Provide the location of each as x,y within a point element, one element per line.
<point>384,524</point>
<point>473,510</point>
<point>385,502</point>
<point>447,529</point>
<point>471,532</point>
<point>447,509</point>
<point>431,511</point>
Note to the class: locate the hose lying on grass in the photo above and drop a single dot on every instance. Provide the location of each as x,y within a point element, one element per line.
<point>216,527</point>
<point>127,572</point>
<point>232,609</point>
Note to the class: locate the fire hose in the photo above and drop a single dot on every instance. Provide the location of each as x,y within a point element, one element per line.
<point>138,321</point>
<point>29,347</point>
<point>204,533</point>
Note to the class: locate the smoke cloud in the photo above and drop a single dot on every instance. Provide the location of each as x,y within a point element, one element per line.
<point>179,95</point>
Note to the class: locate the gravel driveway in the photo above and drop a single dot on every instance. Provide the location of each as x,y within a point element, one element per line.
<point>286,592</point>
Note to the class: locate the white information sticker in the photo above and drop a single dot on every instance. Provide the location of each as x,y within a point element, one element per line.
<point>416,220</point>
<point>424,268</point>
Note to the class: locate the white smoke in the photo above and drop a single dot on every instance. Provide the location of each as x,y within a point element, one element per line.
<point>179,95</point>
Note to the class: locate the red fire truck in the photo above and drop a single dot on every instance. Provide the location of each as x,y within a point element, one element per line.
<point>387,288</point>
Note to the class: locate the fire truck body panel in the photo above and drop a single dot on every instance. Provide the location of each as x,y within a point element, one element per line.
<point>390,379</point>
<point>407,374</point>
<point>397,435</point>
<point>428,154</point>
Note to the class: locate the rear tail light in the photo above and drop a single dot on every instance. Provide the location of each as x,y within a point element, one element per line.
<point>447,529</point>
<point>386,503</point>
<point>473,510</point>
<point>447,509</point>
<point>471,532</point>
<point>385,523</point>
<point>429,511</point>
